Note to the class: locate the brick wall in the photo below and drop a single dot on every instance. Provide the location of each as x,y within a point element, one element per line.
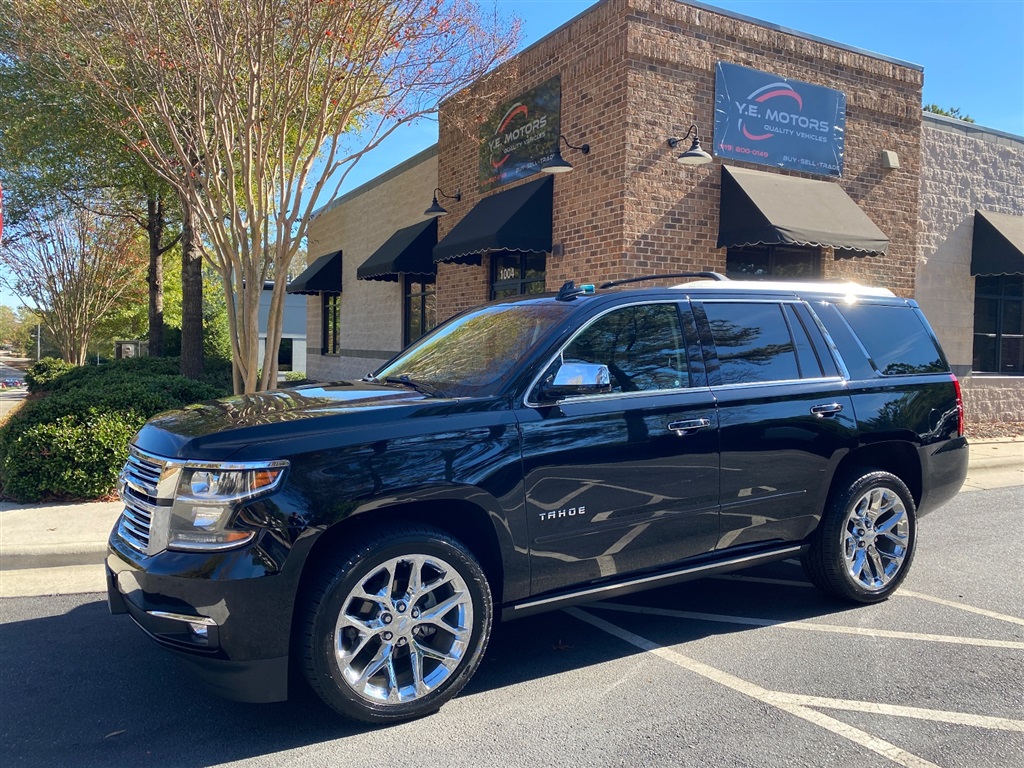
<point>635,72</point>
<point>358,223</point>
<point>590,56</point>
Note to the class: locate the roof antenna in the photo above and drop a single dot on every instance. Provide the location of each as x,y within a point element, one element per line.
<point>569,291</point>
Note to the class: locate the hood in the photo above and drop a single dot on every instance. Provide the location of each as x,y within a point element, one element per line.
<point>213,430</point>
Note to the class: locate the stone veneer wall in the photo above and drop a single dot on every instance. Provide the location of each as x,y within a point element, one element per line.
<point>965,167</point>
<point>635,72</point>
<point>358,223</point>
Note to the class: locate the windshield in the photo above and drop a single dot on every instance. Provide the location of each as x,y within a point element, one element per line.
<point>474,354</point>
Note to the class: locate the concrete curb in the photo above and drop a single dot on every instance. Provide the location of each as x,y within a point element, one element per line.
<point>55,535</point>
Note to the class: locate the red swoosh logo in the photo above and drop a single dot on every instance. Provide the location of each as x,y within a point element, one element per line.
<point>781,92</point>
<point>752,137</point>
<point>508,118</point>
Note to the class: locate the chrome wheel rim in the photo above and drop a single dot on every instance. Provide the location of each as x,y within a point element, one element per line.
<point>876,538</point>
<point>403,629</point>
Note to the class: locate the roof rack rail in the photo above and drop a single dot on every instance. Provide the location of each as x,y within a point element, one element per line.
<point>707,275</point>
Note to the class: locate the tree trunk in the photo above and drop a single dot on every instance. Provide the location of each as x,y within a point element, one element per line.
<point>155,279</point>
<point>191,297</point>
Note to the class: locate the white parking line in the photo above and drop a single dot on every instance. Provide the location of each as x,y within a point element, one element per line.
<point>862,738</point>
<point>960,606</point>
<point>808,626</point>
<point>902,592</point>
<point>918,713</point>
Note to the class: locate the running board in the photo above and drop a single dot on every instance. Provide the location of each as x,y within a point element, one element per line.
<point>605,591</point>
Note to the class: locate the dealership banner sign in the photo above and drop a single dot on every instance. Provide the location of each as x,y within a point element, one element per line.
<point>772,120</point>
<point>521,135</point>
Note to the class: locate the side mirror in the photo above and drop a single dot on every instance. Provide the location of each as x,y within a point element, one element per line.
<point>577,379</point>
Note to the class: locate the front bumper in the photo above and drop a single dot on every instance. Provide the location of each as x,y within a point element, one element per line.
<point>226,615</point>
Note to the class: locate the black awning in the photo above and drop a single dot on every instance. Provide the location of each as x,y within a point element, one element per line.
<point>517,219</point>
<point>409,251</point>
<point>322,276</point>
<point>998,247</point>
<point>771,209</point>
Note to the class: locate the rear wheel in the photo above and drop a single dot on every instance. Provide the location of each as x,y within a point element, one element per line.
<point>397,625</point>
<point>864,546</point>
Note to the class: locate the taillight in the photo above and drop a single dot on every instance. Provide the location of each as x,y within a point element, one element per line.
<point>959,406</point>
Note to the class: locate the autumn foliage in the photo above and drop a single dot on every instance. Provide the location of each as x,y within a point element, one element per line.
<point>255,110</point>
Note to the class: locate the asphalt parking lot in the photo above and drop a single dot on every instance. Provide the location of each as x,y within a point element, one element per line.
<point>753,669</point>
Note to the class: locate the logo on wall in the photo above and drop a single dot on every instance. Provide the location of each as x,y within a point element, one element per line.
<point>520,136</point>
<point>772,120</point>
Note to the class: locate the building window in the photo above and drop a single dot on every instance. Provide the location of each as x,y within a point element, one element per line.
<point>999,324</point>
<point>778,262</point>
<point>332,324</point>
<point>419,309</point>
<point>515,274</point>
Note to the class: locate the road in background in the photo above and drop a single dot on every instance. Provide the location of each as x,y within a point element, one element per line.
<point>10,396</point>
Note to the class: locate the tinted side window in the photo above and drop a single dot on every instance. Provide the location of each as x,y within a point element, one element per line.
<point>753,342</point>
<point>895,337</point>
<point>642,346</point>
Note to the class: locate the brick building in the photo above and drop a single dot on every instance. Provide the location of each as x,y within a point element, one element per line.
<point>816,173</point>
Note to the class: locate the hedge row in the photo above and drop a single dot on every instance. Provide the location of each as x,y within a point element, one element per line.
<point>71,440</point>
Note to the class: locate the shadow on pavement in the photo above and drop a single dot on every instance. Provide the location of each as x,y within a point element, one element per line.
<point>82,687</point>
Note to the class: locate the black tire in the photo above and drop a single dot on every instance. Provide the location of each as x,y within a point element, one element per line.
<point>863,548</point>
<point>364,610</point>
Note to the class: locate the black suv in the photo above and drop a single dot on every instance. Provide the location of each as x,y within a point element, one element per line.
<point>529,454</point>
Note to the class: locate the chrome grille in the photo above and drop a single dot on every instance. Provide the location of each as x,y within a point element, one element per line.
<point>146,485</point>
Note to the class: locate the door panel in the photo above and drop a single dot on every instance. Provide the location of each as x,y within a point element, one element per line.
<point>625,481</point>
<point>786,419</point>
<point>612,489</point>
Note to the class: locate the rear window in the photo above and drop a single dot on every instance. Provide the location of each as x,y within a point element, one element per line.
<point>895,337</point>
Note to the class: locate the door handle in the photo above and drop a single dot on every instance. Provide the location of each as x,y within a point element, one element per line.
<point>829,409</point>
<point>682,428</point>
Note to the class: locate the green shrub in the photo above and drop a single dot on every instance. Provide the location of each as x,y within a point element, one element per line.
<point>76,457</point>
<point>46,371</point>
<point>72,442</point>
<point>294,376</point>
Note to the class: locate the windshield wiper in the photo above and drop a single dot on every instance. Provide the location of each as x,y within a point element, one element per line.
<point>419,386</point>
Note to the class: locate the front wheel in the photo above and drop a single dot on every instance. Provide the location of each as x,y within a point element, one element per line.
<point>397,625</point>
<point>864,545</point>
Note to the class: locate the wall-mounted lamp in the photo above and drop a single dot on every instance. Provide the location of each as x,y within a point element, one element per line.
<point>694,155</point>
<point>436,209</point>
<point>557,163</point>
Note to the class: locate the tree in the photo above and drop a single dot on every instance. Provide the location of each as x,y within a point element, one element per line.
<point>74,266</point>
<point>953,112</point>
<point>250,108</point>
<point>56,150</point>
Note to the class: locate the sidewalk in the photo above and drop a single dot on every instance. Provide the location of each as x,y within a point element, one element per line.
<point>59,548</point>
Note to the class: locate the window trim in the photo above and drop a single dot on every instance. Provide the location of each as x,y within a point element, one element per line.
<point>494,285</point>
<point>407,280</point>
<point>327,301</point>
<point>998,336</point>
<point>816,251</point>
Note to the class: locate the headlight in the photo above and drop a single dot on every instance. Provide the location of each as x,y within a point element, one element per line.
<point>207,497</point>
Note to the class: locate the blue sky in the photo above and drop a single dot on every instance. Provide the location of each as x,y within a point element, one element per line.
<point>972,53</point>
